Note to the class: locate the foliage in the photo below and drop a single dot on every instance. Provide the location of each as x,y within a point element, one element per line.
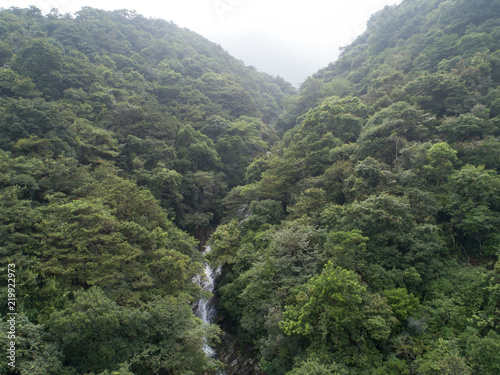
<point>117,134</point>
<point>387,171</point>
<point>357,223</point>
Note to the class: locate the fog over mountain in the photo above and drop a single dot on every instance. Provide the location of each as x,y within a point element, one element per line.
<point>351,227</point>
<point>290,40</point>
<point>268,54</point>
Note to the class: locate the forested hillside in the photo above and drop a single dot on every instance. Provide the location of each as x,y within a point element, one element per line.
<point>367,240</point>
<point>358,223</point>
<point>119,135</point>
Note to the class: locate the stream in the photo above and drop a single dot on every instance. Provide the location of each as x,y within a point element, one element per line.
<point>206,309</point>
<point>207,312</point>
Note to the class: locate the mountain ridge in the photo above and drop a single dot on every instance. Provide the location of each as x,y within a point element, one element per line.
<point>357,223</point>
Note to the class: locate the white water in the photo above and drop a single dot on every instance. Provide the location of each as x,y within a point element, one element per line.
<point>206,307</point>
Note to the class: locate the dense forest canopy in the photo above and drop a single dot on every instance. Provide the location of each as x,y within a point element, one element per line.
<point>358,221</point>
<point>118,135</point>
<point>369,237</point>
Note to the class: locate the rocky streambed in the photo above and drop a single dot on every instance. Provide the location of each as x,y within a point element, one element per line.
<point>238,361</point>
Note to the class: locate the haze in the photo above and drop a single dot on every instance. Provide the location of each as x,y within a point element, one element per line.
<point>283,38</point>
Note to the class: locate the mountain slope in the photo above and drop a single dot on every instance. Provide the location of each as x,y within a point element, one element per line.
<point>367,240</point>
<point>117,134</point>
<point>159,96</point>
<point>448,40</point>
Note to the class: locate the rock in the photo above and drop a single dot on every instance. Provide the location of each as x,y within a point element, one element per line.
<point>237,360</point>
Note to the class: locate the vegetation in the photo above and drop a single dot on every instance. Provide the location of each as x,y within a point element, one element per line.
<point>367,241</point>
<point>358,223</point>
<point>119,135</point>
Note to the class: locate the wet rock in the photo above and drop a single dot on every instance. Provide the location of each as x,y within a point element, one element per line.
<point>238,360</point>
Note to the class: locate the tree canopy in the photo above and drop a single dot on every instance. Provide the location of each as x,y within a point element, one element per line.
<point>356,222</point>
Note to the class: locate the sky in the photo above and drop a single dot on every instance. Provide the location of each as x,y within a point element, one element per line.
<point>286,38</point>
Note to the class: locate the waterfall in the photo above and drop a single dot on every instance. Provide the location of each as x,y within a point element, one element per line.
<point>206,307</point>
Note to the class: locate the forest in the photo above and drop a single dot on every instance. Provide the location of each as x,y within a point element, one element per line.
<point>356,221</point>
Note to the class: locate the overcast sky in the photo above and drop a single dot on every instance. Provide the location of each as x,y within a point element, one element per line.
<point>292,39</point>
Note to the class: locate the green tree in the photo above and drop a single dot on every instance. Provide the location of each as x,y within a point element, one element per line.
<point>464,128</point>
<point>402,303</point>
<point>315,367</point>
<point>473,209</point>
<point>483,352</point>
<point>92,331</point>
<point>41,61</point>
<point>267,211</point>
<point>13,84</point>
<point>195,151</point>
<point>35,353</point>
<point>443,359</point>
<point>396,241</point>
<point>240,144</point>
<point>440,161</point>
<point>335,309</point>
<point>24,117</point>
<point>347,250</point>
<point>389,130</point>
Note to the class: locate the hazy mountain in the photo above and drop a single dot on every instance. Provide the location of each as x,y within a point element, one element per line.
<point>275,57</point>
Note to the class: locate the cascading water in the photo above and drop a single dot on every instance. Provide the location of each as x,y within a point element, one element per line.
<point>207,312</point>
<point>206,307</point>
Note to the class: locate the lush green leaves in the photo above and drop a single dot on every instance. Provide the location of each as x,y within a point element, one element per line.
<point>365,240</point>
